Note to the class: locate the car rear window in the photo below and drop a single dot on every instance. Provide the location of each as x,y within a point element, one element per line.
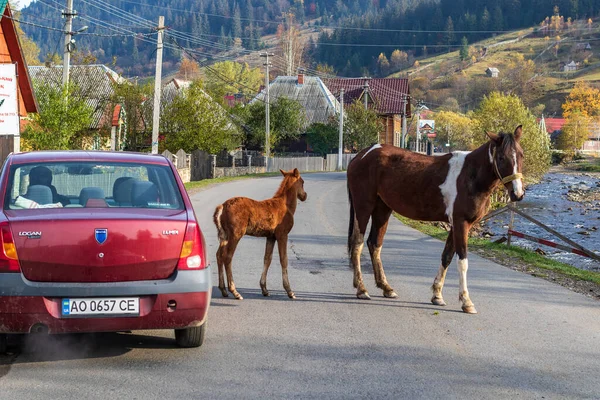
<point>92,185</point>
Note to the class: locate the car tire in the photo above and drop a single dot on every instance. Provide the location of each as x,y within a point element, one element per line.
<point>190,337</point>
<point>3,343</point>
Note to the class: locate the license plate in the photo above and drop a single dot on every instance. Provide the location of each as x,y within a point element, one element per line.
<point>101,306</point>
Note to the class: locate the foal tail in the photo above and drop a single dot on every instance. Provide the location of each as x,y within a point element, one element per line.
<point>217,220</point>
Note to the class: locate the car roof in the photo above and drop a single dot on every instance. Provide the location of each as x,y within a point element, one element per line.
<point>79,155</point>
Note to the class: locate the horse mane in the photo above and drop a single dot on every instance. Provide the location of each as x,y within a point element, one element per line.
<point>283,186</point>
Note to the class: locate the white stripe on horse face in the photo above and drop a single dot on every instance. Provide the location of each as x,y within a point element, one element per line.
<point>517,183</point>
<point>449,187</point>
<point>375,146</point>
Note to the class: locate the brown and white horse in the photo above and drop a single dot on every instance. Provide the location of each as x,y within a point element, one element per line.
<point>272,218</point>
<point>453,188</point>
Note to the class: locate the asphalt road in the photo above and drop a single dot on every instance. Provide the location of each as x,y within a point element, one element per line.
<point>531,339</point>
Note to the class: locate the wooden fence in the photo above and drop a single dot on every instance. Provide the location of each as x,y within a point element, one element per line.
<point>332,161</point>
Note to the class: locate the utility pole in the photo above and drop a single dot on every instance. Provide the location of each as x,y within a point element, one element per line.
<point>68,14</point>
<point>157,84</point>
<point>267,64</point>
<point>366,92</point>
<point>403,138</point>
<point>341,144</point>
<point>418,130</point>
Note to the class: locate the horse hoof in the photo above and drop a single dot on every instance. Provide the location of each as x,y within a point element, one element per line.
<point>438,301</point>
<point>390,295</point>
<point>238,296</point>
<point>224,293</point>
<point>266,294</point>
<point>363,296</point>
<point>291,295</point>
<point>469,309</point>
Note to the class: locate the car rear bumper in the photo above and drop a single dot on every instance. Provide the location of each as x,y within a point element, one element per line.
<point>26,306</point>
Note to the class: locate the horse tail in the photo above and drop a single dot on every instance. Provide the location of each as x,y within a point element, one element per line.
<point>351,224</point>
<point>217,220</point>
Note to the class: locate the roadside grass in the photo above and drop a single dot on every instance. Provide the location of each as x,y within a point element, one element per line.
<point>496,251</point>
<point>589,167</point>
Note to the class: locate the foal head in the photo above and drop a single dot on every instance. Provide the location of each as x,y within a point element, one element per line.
<point>506,157</point>
<point>292,180</point>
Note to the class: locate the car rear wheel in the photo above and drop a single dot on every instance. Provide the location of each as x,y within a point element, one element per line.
<point>3,343</point>
<point>190,337</point>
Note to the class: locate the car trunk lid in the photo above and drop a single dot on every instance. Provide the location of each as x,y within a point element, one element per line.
<point>103,246</point>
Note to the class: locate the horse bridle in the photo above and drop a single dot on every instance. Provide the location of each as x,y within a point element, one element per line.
<point>507,179</point>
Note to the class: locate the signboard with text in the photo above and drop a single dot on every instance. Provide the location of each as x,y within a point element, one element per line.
<point>9,101</point>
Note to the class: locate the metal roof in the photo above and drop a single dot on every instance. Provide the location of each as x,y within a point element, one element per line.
<point>389,95</point>
<point>318,102</point>
<point>94,81</point>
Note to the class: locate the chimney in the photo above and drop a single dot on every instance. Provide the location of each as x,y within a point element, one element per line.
<point>300,76</point>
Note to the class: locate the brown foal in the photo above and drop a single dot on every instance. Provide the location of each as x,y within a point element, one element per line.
<point>272,218</point>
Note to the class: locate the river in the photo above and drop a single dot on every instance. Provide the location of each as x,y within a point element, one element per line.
<point>565,201</point>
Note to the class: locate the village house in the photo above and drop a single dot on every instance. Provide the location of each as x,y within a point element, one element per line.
<point>95,84</point>
<point>570,67</point>
<point>492,72</point>
<point>387,96</point>
<point>11,53</point>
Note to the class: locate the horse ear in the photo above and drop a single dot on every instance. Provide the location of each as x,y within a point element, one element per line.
<point>518,132</point>
<point>282,172</point>
<point>296,172</point>
<point>495,137</point>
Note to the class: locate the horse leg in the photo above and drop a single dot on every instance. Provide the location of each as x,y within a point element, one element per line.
<point>283,259</point>
<point>227,261</point>
<point>362,203</point>
<point>461,234</point>
<point>268,258</point>
<point>379,222</point>
<point>221,268</point>
<point>438,282</point>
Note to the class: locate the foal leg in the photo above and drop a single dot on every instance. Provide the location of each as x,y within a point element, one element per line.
<point>227,260</point>
<point>221,268</point>
<point>438,283</point>
<point>268,258</point>
<point>379,222</point>
<point>461,234</point>
<point>283,259</point>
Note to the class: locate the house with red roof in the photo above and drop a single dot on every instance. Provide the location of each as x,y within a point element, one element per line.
<point>11,53</point>
<point>389,97</point>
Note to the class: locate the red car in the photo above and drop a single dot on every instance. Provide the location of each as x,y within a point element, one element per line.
<point>99,242</point>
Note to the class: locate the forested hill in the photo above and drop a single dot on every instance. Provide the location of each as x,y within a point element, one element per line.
<point>206,26</point>
<point>433,26</point>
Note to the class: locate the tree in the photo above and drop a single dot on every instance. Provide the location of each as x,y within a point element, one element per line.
<point>230,77</point>
<point>323,138</point>
<point>189,69</point>
<point>361,127</point>
<point>454,128</point>
<point>464,49</point>
<point>194,121</point>
<point>449,36</point>
<point>503,113</point>
<point>31,51</point>
<point>62,115</point>
<point>398,60</point>
<point>286,121</point>
<point>383,65</point>
<point>290,45</point>
<point>574,133</point>
<point>137,103</point>
<point>583,99</point>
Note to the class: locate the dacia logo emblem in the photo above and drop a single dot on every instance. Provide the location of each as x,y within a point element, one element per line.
<point>101,235</point>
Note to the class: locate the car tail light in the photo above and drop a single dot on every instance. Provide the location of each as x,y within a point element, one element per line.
<point>192,251</point>
<point>9,262</point>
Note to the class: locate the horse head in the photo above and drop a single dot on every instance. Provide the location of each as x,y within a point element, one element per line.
<point>296,182</point>
<point>506,157</point>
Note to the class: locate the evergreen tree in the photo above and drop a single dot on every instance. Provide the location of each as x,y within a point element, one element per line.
<point>449,36</point>
<point>464,49</point>
<point>237,23</point>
